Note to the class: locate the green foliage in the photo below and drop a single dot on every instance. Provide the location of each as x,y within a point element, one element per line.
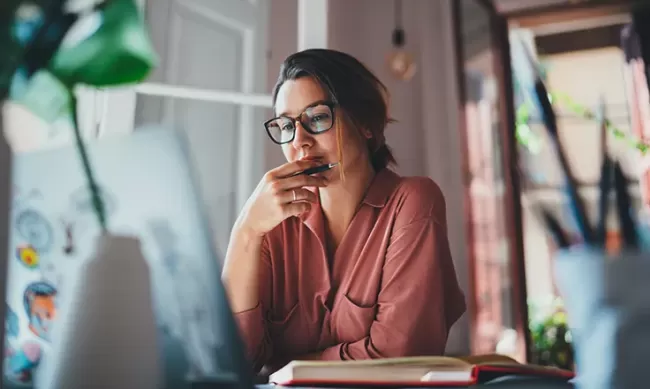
<point>550,335</point>
<point>532,142</point>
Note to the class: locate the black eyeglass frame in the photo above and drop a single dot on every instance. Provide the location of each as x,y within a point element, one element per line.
<point>295,120</point>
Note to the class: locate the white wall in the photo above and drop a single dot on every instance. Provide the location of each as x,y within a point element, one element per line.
<point>283,40</point>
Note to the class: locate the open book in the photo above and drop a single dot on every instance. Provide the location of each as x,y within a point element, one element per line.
<point>411,371</point>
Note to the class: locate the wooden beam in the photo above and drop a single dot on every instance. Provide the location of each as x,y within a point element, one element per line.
<point>511,178</point>
<point>595,38</point>
<point>539,17</point>
<point>459,60</point>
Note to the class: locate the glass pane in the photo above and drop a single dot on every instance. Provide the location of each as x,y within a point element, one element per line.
<point>602,86</point>
<point>200,43</point>
<point>494,325</point>
<point>213,133</point>
<point>221,44</point>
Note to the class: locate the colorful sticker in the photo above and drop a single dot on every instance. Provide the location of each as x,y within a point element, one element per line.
<point>28,256</point>
<point>35,229</point>
<point>20,363</point>
<point>11,322</point>
<point>41,308</point>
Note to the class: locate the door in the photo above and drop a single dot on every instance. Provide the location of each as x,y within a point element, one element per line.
<point>498,321</point>
<point>210,85</point>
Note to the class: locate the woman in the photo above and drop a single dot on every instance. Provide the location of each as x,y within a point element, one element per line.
<point>352,263</point>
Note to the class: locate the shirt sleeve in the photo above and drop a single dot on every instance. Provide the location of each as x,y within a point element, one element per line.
<point>419,300</point>
<point>252,323</point>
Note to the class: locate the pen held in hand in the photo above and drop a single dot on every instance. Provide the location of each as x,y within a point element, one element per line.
<point>316,169</point>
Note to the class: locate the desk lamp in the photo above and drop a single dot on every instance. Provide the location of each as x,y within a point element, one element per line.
<point>105,45</point>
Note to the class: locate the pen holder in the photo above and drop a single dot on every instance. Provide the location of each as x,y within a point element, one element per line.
<point>608,307</point>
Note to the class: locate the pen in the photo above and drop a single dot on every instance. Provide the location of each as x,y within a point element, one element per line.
<point>554,229</point>
<point>316,169</point>
<point>534,87</point>
<point>624,208</point>
<point>605,184</point>
<point>577,206</point>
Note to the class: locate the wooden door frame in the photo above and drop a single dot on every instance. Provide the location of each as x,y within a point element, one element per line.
<point>513,210</point>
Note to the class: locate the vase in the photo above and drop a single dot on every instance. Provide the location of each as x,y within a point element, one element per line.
<point>608,308</point>
<point>106,337</point>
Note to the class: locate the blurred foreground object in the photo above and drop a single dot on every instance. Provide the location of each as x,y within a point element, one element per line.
<point>105,44</point>
<point>23,130</point>
<point>605,295</point>
<point>53,48</point>
<point>638,96</point>
<point>607,301</point>
<point>89,351</point>
<point>18,50</point>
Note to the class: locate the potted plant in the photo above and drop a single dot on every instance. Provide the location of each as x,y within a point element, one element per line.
<point>550,335</point>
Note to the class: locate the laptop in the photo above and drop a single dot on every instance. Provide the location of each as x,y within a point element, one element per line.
<point>147,183</point>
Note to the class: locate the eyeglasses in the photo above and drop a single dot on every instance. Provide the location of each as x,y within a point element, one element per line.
<point>315,120</point>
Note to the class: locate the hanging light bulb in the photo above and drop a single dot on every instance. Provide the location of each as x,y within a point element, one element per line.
<point>400,62</point>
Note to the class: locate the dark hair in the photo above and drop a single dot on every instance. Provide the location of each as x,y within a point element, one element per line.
<point>352,87</point>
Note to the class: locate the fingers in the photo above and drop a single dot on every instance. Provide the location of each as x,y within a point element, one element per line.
<point>300,195</point>
<point>295,209</point>
<point>292,167</point>
<point>298,181</point>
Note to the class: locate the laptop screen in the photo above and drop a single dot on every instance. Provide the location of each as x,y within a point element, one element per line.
<point>146,183</point>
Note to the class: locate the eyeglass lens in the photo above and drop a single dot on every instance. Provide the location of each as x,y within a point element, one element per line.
<point>315,120</point>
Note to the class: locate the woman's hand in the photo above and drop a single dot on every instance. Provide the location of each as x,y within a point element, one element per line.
<point>279,195</point>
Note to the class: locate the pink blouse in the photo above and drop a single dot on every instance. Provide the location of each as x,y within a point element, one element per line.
<point>389,290</point>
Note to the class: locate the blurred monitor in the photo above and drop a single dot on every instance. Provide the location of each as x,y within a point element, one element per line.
<point>147,184</point>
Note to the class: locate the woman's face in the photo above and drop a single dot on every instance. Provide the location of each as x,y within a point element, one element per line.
<point>303,97</point>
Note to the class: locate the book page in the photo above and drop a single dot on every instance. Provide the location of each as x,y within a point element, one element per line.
<point>388,362</point>
<point>489,359</point>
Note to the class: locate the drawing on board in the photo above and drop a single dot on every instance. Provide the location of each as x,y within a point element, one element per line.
<point>28,256</point>
<point>35,229</point>
<point>68,229</point>
<point>40,301</point>
<point>20,362</point>
<point>12,328</point>
<point>186,316</point>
